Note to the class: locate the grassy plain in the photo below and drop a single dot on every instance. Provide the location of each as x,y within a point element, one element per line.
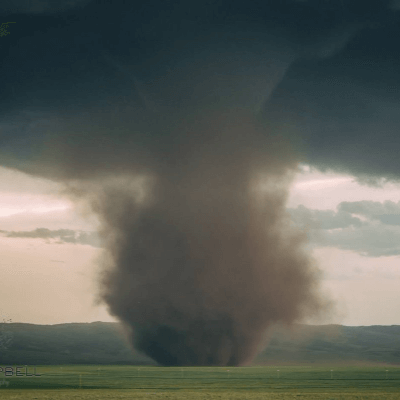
<point>197,383</point>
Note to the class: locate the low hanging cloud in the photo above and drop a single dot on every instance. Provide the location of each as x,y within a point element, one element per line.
<point>369,228</point>
<point>387,212</point>
<point>60,235</point>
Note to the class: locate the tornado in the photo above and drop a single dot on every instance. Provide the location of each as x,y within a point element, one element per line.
<point>200,256</point>
<point>179,125</point>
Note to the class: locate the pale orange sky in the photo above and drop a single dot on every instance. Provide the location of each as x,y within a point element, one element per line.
<point>48,283</point>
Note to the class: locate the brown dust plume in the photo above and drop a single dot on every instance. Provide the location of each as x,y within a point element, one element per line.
<point>200,260</point>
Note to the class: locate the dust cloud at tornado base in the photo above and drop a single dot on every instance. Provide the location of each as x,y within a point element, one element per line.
<point>201,262</point>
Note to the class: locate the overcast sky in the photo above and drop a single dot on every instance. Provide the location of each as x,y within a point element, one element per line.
<point>198,97</point>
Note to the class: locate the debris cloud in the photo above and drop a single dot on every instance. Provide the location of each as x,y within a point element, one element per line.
<point>202,261</point>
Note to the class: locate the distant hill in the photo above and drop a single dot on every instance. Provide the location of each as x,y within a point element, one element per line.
<point>104,343</point>
<point>333,344</point>
<point>76,343</point>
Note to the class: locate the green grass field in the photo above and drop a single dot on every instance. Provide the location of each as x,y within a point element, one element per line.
<point>131,382</point>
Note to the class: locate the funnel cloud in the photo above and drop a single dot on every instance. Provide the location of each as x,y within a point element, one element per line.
<point>206,262</point>
<point>180,125</point>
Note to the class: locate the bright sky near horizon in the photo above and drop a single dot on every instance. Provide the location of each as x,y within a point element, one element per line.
<point>354,233</point>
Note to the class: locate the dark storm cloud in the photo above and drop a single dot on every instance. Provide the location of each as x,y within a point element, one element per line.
<point>62,235</point>
<point>338,63</point>
<point>369,228</point>
<point>198,262</point>
<point>38,6</point>
<point>344,111</point>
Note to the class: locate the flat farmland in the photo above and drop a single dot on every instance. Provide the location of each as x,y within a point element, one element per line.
<point>272,382</point>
